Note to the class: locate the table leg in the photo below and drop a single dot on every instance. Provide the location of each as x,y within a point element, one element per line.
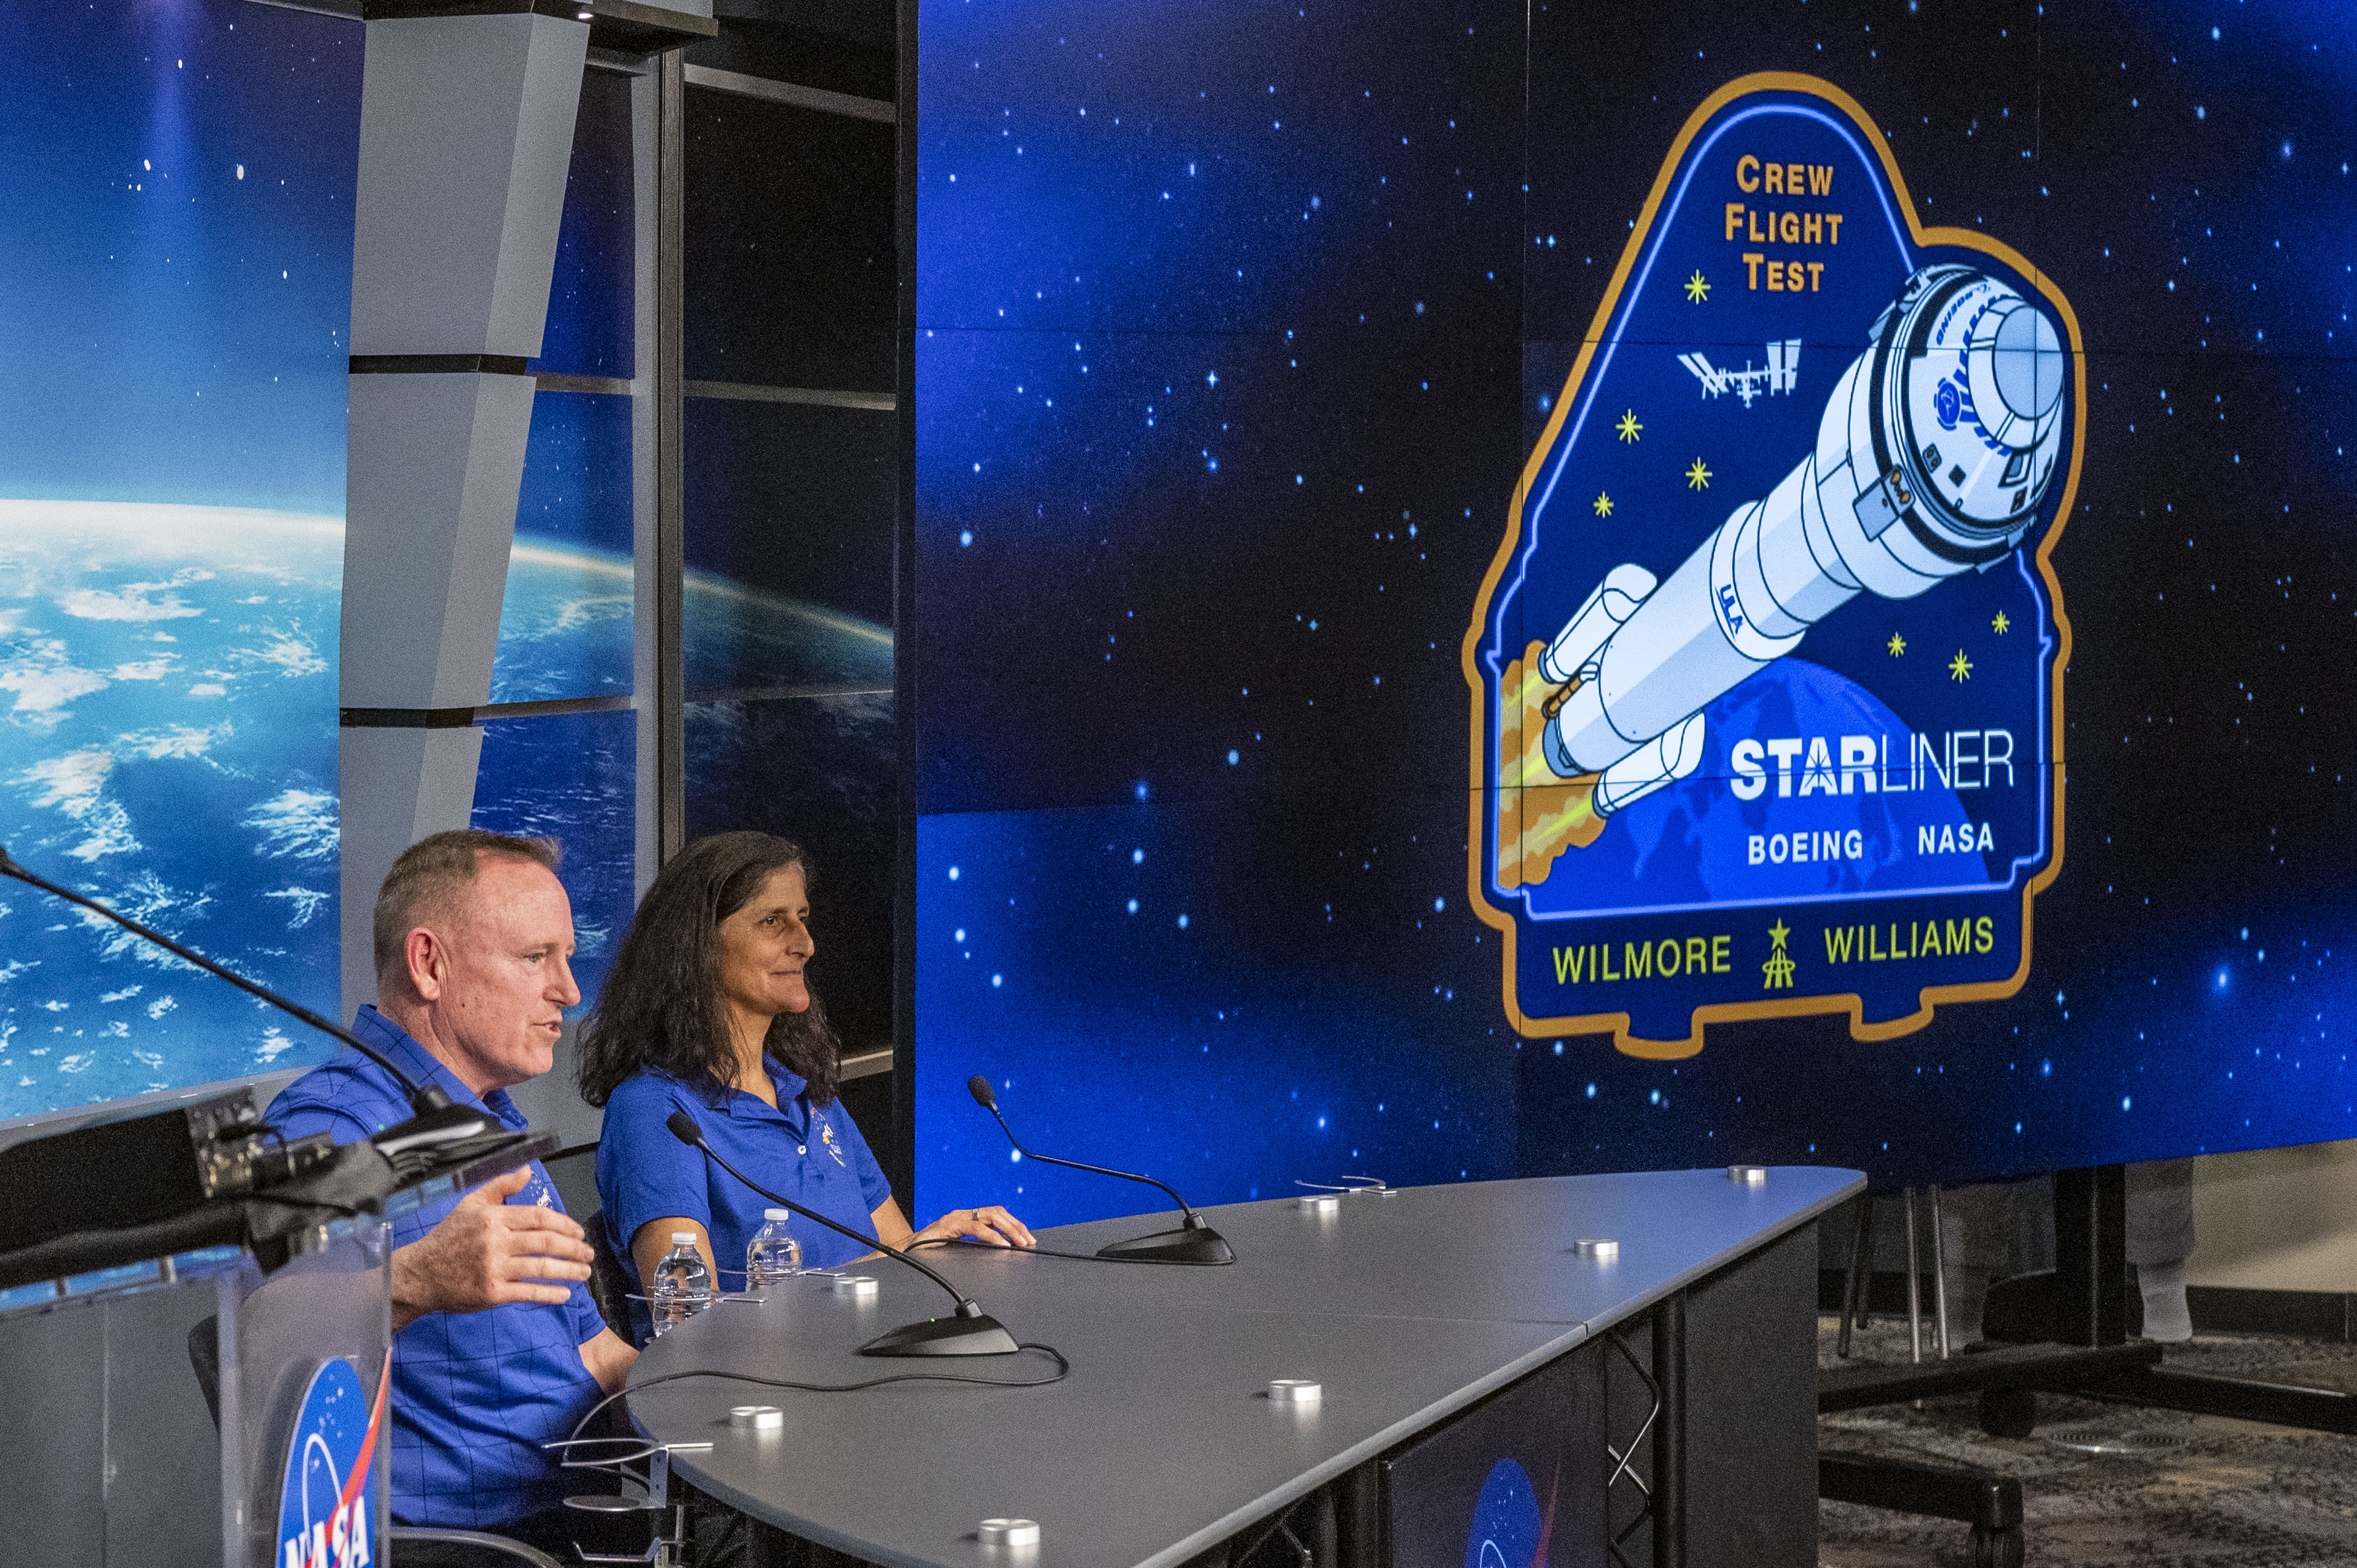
<point>1669,1502</point>
<point>1914,1287</point>
<point>1359,1504</point>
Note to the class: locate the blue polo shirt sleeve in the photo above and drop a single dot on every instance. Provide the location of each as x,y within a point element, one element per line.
<point>587,1321</point>
<point>873,1189</point>
<point>644,1173</point>
<point>331,1099</point>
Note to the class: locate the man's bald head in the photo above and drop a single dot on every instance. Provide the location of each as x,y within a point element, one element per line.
<point>428,886</point>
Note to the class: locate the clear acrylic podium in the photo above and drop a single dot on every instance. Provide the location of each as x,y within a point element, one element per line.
<point>305,1403</point>
<point>110,1437</point>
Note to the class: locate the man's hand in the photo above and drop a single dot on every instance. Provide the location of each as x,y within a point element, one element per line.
<point>488,1253</point>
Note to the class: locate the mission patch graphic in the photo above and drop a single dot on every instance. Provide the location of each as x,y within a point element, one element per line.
<point>1767,674</point>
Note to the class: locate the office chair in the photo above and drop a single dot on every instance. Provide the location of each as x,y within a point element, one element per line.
<point>609,1286</point>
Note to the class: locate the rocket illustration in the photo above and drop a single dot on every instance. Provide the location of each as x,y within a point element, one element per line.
<point>1932,458</point>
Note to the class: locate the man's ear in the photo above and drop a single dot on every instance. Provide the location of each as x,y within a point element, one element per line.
<point>427,963</point>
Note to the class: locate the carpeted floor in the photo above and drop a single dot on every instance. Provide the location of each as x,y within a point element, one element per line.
<point>2164,1490</point>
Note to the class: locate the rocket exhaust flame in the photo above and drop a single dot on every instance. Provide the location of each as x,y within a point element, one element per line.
<point>1539,814</point>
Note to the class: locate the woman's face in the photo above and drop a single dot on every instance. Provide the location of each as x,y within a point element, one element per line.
<point>764,946</point>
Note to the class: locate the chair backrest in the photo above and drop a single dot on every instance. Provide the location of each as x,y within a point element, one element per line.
<point>464,1548</point>
<point>204,1358</point>
<point>609,1284</point>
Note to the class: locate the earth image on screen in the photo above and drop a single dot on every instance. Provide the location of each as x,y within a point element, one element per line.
<point>168,747</point>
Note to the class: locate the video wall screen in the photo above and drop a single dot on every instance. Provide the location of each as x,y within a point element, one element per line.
<point>175,294</point>
<point>1506,593</point>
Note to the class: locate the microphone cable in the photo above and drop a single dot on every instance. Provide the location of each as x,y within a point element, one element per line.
<point>968,1241</point>
<point>1063,1370</point>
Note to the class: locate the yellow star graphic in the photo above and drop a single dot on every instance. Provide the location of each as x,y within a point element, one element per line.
<point>1697,477</point>
<point>1698,287</point>
<point>1898,645</point>
<point>1603,504</point>
<point>1778,932</point>
<point>2001,624</point>
<point>1628,426</point>
<point>1960,667</point>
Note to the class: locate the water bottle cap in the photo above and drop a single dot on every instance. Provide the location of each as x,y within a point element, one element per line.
<point>775,1213</point>
<point>682,1238</point>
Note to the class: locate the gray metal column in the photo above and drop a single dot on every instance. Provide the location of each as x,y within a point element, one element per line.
<point>658,139</point>
<point>649,608</point>
<point>465,137</point>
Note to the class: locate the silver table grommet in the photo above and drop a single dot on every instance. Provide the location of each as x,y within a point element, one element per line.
<point>1318,1202</point>
<point>1746,1175</point>
<point>854,1285</point>
<point>1597,1248</point>
<point>1009,1532</point>
<point>1295,1391</point>
<point>757,1417</point>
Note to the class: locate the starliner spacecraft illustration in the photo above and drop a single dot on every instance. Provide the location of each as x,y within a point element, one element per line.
<point>1936,452</point>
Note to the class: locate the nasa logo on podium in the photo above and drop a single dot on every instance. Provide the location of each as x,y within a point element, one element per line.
<point>1767,688</point>
<point>329,1498</point>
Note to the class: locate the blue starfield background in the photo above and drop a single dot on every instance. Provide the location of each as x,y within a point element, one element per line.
<point>1234,326</point>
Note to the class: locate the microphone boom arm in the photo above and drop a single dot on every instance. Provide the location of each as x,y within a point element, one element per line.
<point>1193,1242</point>
<point>425,1098</point>
<point>1192,1218</point>
<point>966,1306</point>
<point>970,1332</point>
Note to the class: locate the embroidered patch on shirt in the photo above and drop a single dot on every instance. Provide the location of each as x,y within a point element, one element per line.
<point>826,1135</point>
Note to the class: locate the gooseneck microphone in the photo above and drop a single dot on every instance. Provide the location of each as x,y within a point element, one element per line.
<point>436,1118</point>
<point>1193,1242</point>
<point>972,1332</point>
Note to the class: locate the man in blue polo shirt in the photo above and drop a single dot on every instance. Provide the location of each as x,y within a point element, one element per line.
<point>497,1346</point>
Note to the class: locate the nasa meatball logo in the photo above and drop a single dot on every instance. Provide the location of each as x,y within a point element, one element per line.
<point>328,1500</point>
<point>1767,674</point>
<point>1510,1529</point>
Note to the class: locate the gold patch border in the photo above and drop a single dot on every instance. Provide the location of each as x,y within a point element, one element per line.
<point>1931,997</point>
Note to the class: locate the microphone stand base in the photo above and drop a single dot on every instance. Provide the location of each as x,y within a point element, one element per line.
<point>1200,1245</point>
<point>945,1337</point>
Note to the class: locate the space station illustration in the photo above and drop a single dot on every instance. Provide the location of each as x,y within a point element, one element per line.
<point>1935,454</point>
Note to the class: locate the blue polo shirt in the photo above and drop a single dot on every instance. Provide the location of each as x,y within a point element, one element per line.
<point>812,1155</point>
<point>474,1394</point>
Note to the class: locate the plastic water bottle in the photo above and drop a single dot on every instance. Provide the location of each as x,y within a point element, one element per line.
<point>682,1283</point>
<point>772,1254</point>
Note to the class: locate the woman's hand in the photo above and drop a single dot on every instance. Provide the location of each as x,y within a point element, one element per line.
<point>993,1225</point>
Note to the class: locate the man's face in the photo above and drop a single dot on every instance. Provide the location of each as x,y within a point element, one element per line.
<point>503,975</point>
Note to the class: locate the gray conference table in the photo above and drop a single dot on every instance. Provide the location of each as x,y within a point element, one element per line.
<point>1163,1443</point>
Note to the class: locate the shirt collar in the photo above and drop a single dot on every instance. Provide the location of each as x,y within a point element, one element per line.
<point>789,1085</point>
<point>403,1051</point>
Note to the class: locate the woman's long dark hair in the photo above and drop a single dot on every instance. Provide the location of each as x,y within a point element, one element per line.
<point>660,1005</point>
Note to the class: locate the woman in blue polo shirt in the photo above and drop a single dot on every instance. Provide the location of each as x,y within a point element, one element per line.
<point>709,1009</point>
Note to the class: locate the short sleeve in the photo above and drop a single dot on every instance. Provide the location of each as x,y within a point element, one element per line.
<point>644,1173</point>
<point>302,1118</point>
<point>873,1189</point>
<point>325,1100</point>
<point>587,1321</point>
